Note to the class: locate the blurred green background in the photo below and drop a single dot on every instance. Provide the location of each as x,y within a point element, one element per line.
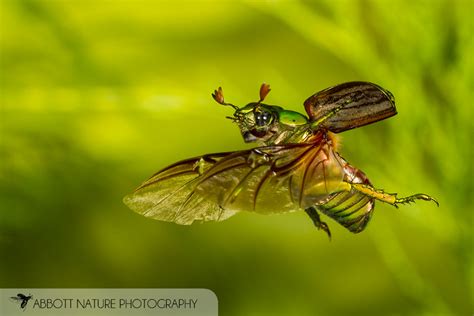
<point>98,95</point>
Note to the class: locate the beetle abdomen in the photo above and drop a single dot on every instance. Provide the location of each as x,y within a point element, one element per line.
<point>352,209</point>
<point>359,103</point>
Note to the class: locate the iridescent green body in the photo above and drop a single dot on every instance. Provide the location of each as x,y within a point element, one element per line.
<point>296,166</point>
<point>283,126</point>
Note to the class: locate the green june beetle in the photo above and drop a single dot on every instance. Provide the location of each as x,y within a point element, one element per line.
<point>296,166</point>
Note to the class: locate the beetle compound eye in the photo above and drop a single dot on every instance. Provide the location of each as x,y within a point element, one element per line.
<point>263,118</point>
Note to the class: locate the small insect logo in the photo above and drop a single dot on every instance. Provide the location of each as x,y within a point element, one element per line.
<point>22,299</point>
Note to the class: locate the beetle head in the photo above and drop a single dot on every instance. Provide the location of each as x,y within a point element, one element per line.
<point>258,122</point>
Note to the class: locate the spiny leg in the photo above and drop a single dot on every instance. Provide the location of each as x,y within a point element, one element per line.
<point>314,215</point>
<point>390,198</point>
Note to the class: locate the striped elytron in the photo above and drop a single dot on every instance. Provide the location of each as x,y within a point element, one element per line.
<point>295,168</point>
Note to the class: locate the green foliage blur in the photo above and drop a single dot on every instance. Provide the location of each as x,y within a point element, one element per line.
<point>98,95</point>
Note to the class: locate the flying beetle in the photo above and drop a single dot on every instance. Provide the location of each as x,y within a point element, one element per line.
<point>296,165</point>
<point>22,298</point>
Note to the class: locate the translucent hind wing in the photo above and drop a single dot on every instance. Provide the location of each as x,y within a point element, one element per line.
<point>248,182</point>
<point>320,175</point>
<point>270,179</point>
<point>169,194</point>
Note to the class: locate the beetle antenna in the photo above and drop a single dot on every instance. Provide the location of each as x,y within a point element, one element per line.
<point>218,96</point>
<point>264,90</point>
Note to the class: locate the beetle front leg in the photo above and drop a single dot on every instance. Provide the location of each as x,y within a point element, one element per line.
<point>314,215</point>
<point>390,198</point>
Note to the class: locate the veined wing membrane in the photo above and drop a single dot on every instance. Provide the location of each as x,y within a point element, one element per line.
<point>273,179</point>
<point>169,194</point>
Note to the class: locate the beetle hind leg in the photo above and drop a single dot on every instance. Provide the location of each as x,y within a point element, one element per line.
<point>413,198</point>
<point>314,215</point>
<point>391,198</point>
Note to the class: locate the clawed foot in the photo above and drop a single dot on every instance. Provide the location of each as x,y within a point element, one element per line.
<point>313,214</point>
<point>413,198</point>
<point>325,227</point>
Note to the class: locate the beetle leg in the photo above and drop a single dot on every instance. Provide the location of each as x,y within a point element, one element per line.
<point>314,215</point>
<point>390,198</point>
<point>414,197</point>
